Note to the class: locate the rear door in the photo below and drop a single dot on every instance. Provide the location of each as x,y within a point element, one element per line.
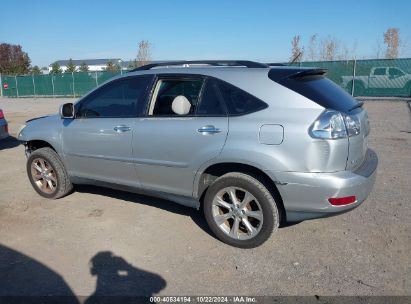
<point>378,79</point>
<point>169,148</point>
<point>97,143</point>
<point>396,78</point>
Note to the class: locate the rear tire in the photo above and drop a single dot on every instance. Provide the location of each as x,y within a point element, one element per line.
<point>47,174</point>
<point>240,210</point>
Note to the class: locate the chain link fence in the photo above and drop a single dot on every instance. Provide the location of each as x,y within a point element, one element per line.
<point>377,77</point>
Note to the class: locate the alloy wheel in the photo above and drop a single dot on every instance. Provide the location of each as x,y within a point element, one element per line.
<point>237,213</point>
<point>43,175</point>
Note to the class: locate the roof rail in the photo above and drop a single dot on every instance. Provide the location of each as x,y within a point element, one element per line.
<point>246,63</point>
<point>276,64</point>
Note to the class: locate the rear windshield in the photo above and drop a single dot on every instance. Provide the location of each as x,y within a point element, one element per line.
<point>322,91</point>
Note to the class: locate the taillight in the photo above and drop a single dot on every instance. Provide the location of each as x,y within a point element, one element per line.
<point>6,128</point>
<point>341,201</point>
<point>333,125</point>
<point>1,114</point>
<point>352,124</point>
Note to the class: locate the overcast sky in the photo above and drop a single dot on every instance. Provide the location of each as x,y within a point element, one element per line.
<point>209,29</point>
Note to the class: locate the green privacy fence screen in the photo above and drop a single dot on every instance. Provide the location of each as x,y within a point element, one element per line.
<point>371,77</point>
<point>54,85</point>
<point>378,77</point>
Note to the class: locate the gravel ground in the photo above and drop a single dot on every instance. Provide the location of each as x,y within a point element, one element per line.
<point>98,241</point>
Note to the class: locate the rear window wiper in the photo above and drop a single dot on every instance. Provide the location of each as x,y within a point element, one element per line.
<point>358,105</point>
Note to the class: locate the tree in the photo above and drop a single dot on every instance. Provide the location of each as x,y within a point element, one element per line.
<point>297,51</point>
<point>71,68</point>
<point>312,48</point>
<point>13,61</point>
<point>133,64</point>
<point>328,49</point>
<point>55,69</point>
<point>144,53</point>
<point>83,67</point>
<point>112,67</point>
<point>344,53</point>
<point>378,49</point>
<point>36,70</point>
<point>392,41</point>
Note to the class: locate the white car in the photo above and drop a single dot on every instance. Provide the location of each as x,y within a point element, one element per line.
<point>380,78</point>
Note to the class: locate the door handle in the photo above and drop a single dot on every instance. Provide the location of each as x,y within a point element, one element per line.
<point>121,129</point>
<point>208,130</point>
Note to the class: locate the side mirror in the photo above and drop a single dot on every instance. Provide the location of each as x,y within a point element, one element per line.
<point>67,110</point>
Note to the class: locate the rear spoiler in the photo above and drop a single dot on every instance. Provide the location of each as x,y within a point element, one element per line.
<point>278,74</point>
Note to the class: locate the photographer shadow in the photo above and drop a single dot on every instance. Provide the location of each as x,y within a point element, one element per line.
<point>120,281</point>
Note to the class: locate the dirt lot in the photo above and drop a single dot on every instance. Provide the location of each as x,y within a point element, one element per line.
<point>63,247</point>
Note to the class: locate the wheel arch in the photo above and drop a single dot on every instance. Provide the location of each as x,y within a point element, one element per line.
<point>356,82</point>
<point>34,144</point>
<point>213,171</point>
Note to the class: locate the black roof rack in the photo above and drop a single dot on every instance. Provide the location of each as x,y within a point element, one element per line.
<point>246,63</point>
<point>276,64</point>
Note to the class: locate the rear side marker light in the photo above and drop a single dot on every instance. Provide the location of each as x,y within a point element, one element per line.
<point>341,201</point>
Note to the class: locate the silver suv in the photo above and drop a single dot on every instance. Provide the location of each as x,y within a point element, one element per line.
<point>253,145</point>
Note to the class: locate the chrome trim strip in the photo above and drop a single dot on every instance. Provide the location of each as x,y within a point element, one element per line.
<point>134,160</point>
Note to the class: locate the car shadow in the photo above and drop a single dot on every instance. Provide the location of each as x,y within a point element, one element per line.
<point>289,224</point>
<point>22,276</point>
<point>167,205</point>
<point>120,281</point>
<point>9,143</point>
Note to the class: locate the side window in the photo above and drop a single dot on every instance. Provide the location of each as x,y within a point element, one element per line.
<point>379,71</point>
<point>120,98</point>
<point>239,102</point>
<point>185,91</point>
<point>395,72</point>
<point>211,103</point>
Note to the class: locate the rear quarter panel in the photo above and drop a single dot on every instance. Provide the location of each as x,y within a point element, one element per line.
<point>297,152</point>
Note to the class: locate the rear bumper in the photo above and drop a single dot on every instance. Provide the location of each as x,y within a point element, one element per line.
<point>3,129</point>
<point>305,195</point>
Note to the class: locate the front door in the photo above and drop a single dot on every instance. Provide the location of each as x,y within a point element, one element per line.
<point>97,143</point>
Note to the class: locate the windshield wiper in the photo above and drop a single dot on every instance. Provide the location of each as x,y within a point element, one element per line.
<point>358,105</point>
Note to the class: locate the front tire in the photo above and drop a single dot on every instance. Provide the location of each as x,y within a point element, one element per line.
<point>240,210</point>
<point>47,174</point>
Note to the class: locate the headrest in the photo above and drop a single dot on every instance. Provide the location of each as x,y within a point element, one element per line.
<point>181,105</point>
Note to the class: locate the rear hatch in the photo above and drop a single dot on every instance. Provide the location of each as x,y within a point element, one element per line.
<point>312,84</point>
